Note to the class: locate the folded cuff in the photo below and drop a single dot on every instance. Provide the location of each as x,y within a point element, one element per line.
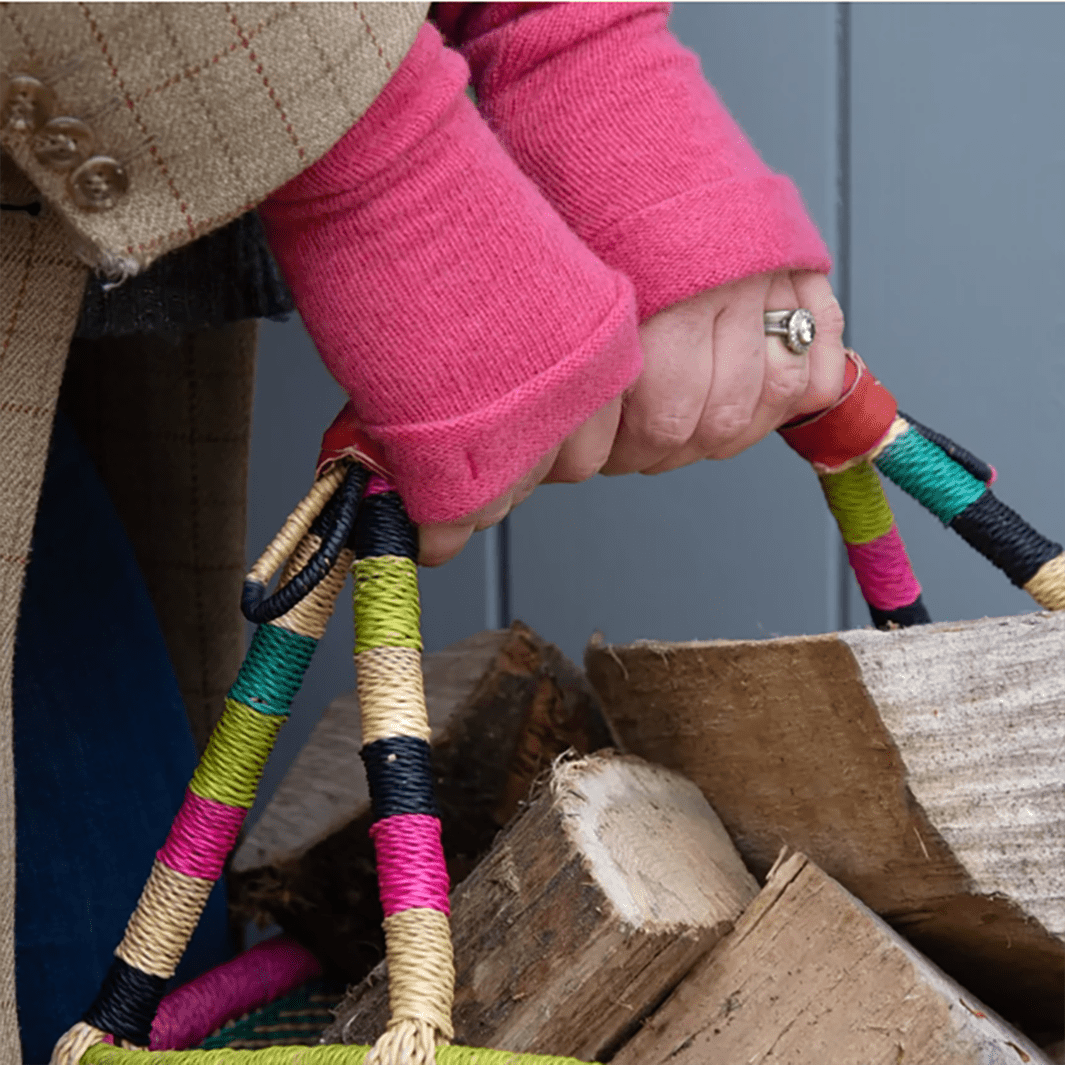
<point>447,469</point>
<point>709,236</point>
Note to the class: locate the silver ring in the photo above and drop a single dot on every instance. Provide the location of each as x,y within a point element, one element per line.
<point>796,327</point>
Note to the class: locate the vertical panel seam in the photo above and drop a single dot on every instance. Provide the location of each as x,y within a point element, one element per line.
<point>842,604</point>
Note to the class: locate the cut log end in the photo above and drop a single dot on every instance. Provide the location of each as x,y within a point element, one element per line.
<point>592,905</point>
<point>917,767</point>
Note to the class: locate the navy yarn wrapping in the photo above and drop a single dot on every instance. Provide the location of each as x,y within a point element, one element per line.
<point>1004,538</point>
<point>334,525</point>
<point>126,1003</point>
<point>383,528</point>
<point>965,459</point>
<point>901,617</point>
<point>400,776</point>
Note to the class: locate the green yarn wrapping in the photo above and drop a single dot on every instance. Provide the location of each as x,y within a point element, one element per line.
<point>928,474</point>
<point>857,501</point>
<point>273,669</point>
<point>334,1054</point>
<point>387,608</point>
<point>230,768</point>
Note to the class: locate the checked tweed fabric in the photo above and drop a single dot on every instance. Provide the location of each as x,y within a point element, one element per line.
<point>208,107</point>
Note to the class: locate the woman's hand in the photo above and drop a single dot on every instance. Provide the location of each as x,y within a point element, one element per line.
<point>580,456</point>
<point>713,383</point>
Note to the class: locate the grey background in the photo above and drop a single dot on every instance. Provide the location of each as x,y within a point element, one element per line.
<point>927,141</point>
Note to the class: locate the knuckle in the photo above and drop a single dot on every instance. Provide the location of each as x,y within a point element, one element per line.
<point>594,456</point>
<point>438,544</point>
<point>581,464</point>
<point>819,397</point>
<point>782,387</point>
<point>575,470</point>
<point>667,431</point>
<point>433,556</point>
<point>830,320</point>
<point>722,425</point>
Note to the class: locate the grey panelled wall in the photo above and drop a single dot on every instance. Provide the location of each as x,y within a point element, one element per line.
<point>926,139</point>
<point>957,256</point>
<point>941,128</point>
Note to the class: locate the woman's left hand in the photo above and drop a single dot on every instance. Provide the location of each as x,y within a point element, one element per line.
<point>713,383</point>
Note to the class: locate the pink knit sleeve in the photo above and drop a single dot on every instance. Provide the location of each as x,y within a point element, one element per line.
<point>601,106</point>
<point>472,329</point>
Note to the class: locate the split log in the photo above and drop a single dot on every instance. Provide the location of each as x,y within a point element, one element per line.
<point>808,976</point>
<point>920,768</point>
<point>586,913</point>
<point>502,706</point>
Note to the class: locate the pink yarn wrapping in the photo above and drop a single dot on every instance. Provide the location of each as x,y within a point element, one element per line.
<point>377,486</point>
<point>202,835</point>
<point>265,972</point>
<point>883,570</point>
<point>410,864</point>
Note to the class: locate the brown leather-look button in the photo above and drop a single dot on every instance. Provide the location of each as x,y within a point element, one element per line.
<point>98,184</point>
<point>27,103</point>
<point>62,144</point>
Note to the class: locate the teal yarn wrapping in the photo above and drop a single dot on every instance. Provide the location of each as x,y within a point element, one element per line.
<point>932,477</point>
<point>273,669</point>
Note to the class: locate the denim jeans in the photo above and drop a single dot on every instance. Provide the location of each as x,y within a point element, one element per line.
<point>103,753</point>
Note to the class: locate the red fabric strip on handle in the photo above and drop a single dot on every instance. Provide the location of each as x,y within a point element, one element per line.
<point>851,427</point>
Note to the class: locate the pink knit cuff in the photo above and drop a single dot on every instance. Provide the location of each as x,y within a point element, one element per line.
<point>611,116</point>
<point>446,469</point>
<point>472,329</point>
<point>714,234</point>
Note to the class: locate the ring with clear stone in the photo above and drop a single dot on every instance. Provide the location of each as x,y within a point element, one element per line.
<point>797,328</point>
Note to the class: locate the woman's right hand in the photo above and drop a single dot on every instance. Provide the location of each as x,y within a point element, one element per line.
<point>579,457</point>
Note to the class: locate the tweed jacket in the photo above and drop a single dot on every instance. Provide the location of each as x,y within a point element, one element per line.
<point>129,130</point>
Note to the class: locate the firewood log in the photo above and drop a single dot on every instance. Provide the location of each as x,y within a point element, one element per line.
<point>502,706</point>
<point>586,913</point>
<point>924,769</point>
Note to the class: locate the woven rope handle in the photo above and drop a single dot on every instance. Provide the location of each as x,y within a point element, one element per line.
<point>864,433</point>
<point>221,792</point>
<point>861,431</point>
<point>406,831</point>
<point>334,1054</point>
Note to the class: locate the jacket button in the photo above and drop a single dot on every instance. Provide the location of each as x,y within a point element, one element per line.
<point>98,184</point>
<point>62,144</point>
<point>27,104</point>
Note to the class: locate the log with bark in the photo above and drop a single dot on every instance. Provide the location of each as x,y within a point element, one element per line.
<point>924,769</point>
<point>502,706</point>
<point>587,912</point>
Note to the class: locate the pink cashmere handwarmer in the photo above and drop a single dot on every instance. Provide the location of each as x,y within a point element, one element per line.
<point>613,120</point>
<point>477,318</point>
<point>472,329</point>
